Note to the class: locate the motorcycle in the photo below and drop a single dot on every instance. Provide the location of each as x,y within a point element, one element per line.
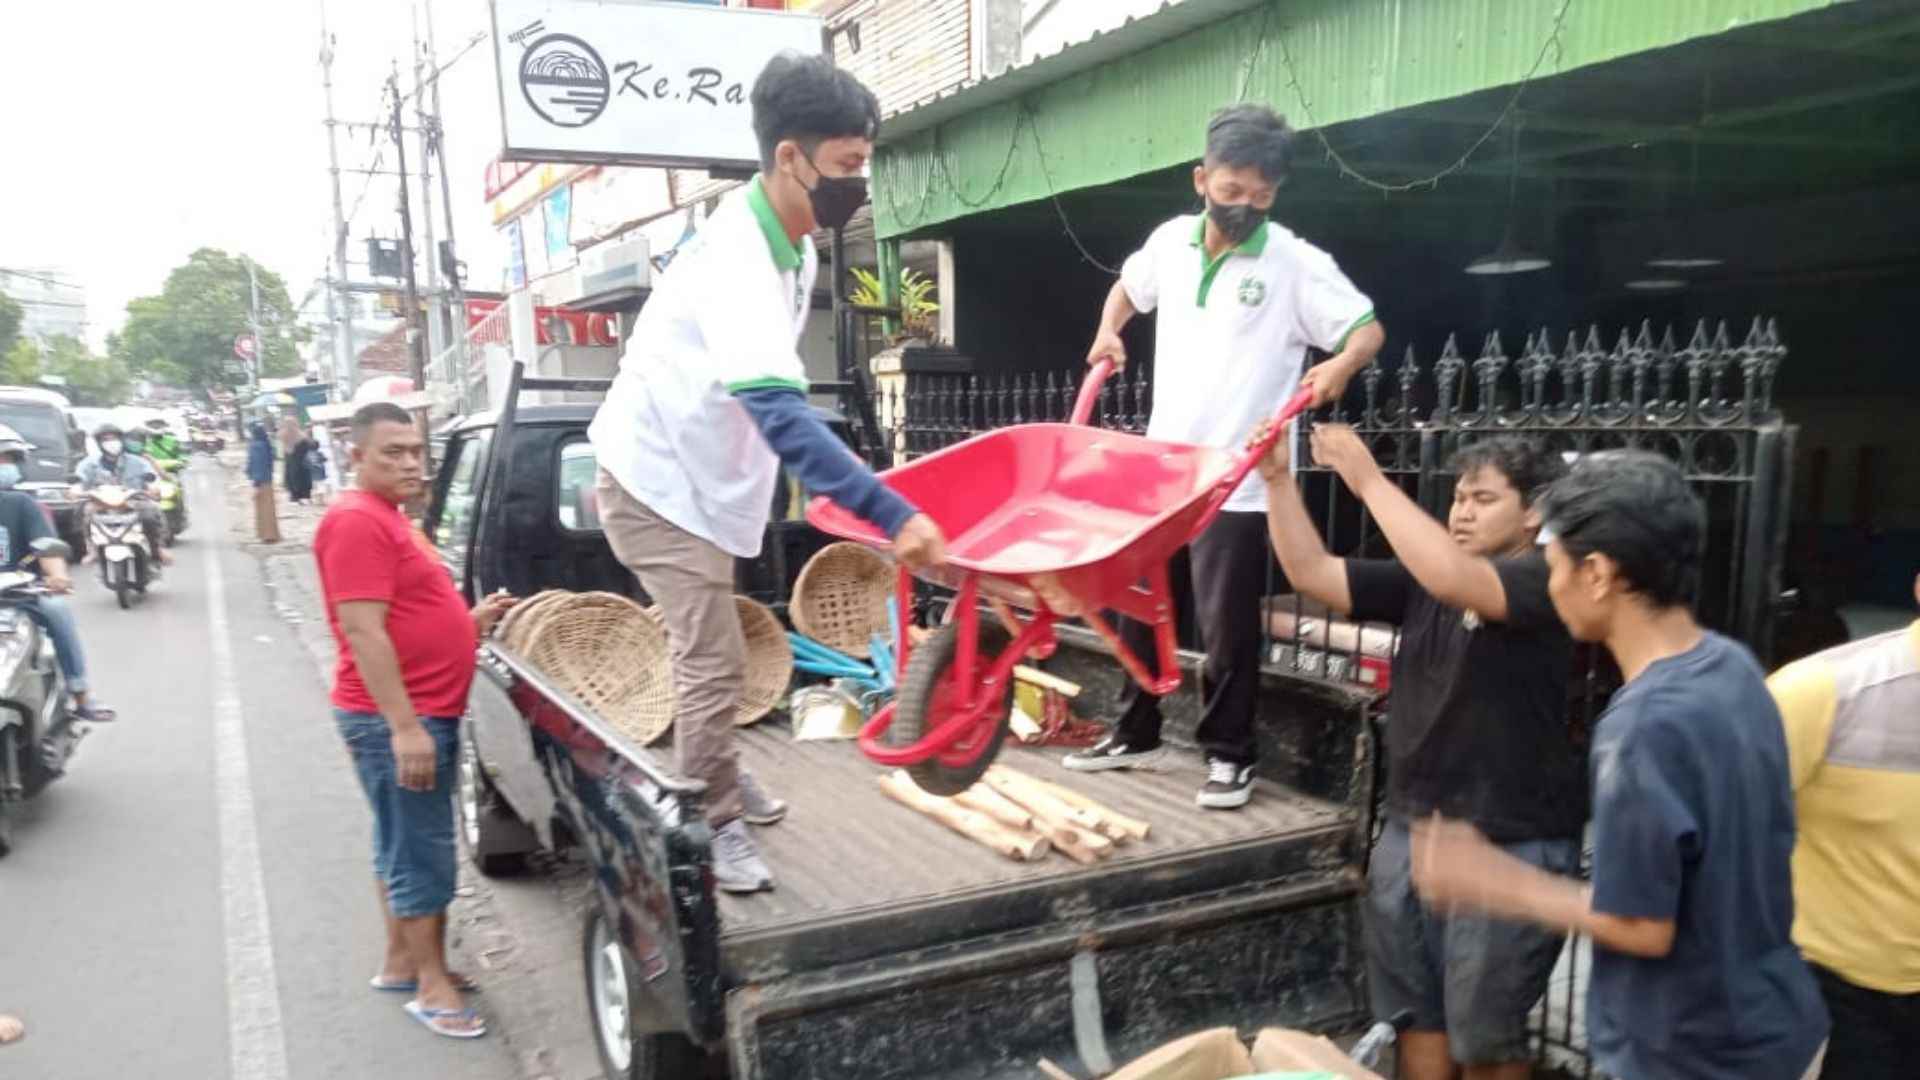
<point>119,543</point>
<point>39,729</point>
<point>172,495</point>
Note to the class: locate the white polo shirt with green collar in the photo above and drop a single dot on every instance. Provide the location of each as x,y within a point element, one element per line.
<point>725,317</point>
<point>1233,332</point>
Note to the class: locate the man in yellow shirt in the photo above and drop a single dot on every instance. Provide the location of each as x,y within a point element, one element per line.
<point>1852,716</point>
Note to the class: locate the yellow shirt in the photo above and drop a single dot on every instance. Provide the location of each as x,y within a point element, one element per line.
<point>1852,716</point>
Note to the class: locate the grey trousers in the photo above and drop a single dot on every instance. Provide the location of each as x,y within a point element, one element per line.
<point>692,581</point>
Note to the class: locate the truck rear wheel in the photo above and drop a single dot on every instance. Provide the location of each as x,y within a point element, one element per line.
<point>484,814</point>
<point>924,692</point>
<point>613,989</point>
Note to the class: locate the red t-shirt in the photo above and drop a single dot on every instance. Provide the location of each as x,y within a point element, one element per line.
<point>366,551</point>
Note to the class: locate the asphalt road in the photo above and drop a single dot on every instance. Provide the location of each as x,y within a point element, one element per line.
<point>194,899</point>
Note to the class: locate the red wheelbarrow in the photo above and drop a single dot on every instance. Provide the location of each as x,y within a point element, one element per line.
<point>1044,522</point>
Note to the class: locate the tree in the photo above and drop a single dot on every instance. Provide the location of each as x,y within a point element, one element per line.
<point>91,379</point>
<point>184,336</point>
<point>20,365</point>
<point>10,317</point>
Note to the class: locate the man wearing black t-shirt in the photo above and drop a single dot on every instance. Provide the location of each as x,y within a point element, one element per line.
<point>1478,731</point>
<point>1695,974</point>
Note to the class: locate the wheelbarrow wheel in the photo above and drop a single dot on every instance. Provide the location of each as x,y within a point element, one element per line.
<point>925,691</point>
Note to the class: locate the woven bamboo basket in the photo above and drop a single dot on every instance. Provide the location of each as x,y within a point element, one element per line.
<point>604,650</point>
<point>769,661</point>
<point>840,597</point>
<point>509,630</point>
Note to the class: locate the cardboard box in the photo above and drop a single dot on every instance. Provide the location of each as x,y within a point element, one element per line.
<point>1286,1050</point>
<point>1206,1055</point>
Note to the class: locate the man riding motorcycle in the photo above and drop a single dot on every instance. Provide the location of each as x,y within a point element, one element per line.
<point>145,442</point>
<point>162,447</point>
<point>22,521</point>
<point>116,463</point>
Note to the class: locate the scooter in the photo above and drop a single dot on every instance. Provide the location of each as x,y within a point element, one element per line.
<point>39,728</point>
<point>127,562</point>
<point>172,495</point>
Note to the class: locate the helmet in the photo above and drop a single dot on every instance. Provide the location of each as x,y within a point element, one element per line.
<point>12,443</point>
<point>106,430</point>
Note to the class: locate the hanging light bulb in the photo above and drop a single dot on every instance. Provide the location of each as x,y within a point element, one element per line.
<point>1509,258</point>
<point>1681,255</point>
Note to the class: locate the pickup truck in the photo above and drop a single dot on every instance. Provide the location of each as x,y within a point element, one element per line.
<point>890,948</point>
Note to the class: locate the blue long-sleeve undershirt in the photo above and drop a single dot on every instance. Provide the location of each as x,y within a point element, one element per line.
<point>823,464</point>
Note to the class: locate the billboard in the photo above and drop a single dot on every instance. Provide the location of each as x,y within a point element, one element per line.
<point>633,82</point>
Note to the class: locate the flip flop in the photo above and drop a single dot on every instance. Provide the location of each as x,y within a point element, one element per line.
<point>437,1021</point>
<point>407,986</point>
<point>98,714</point>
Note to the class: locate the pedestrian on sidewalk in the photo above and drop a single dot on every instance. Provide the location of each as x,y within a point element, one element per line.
<point>1479,731</point>
<point>1695,975</point>
<point>406,645</point>
<point>711,400</point>
<point>294,446</point>
<point>1852,716</point>
<point>266,519</point>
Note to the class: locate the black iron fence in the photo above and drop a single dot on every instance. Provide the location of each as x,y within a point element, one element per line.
<point>1707,405</point>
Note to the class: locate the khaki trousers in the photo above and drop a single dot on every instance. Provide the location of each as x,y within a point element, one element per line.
<point>266,522</point>
<point>692,581</point>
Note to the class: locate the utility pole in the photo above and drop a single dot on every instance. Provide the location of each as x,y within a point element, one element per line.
<point>436,303</point>
<point>253,322</point>
<point>340,302</point>
<point>457,320</point>
<point>416,361</point>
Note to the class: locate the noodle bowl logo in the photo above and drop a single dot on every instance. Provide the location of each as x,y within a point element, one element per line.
<point>564,80</point>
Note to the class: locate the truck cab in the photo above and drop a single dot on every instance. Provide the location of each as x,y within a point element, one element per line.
<point>890,947</point>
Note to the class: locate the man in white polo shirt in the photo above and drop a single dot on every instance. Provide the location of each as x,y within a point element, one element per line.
<point>1240,300</point>
<point>711,401</point>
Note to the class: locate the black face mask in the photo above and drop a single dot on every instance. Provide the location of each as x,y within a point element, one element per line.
<point>1236,221</point>
<point>835,198</point>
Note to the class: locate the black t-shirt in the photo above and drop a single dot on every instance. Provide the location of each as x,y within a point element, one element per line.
<point>1693,822</point>
<point>1477,725</point>
<point>22,521</point>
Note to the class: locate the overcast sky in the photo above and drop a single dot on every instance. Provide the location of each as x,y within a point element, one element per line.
<point>138,131</point>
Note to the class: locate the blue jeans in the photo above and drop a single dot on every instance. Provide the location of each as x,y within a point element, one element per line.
<point>53,614</point>
<point>413,845</point>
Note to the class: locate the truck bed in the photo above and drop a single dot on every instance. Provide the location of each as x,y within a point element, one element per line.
<point>846,852</point>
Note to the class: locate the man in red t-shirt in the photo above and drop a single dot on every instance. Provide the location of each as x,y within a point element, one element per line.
<point>406,644</point>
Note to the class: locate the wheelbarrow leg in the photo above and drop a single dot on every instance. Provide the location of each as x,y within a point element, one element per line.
<point>1159,594</point>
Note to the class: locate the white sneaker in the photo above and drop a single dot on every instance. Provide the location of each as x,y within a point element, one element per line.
<point>758,807</point>
<point>737,866</point>
<point>1228,787</point>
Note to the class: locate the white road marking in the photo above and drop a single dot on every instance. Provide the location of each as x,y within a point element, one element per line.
<point>256,1040</point>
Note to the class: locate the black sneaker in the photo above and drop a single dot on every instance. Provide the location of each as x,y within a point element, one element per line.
<point>1229,785</point>
<point>1113,753</point>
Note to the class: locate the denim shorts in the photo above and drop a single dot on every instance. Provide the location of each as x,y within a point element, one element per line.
<point>413,844</point>
<point>1474,977</point>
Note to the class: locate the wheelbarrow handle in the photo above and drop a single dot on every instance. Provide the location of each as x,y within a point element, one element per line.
<point>1090,392</point>
<point>1250,458</point>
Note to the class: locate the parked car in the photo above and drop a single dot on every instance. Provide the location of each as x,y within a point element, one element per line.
<point>44,419</point>
<point>946,959</point>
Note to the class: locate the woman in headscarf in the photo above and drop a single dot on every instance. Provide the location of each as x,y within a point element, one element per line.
<point>266,522</point>
<point>295,444</point>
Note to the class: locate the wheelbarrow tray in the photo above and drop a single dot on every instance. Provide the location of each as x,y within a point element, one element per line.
<point>1064,507</point>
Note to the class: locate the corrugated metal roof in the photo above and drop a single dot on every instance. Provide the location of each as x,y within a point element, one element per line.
<point>1175,17</point>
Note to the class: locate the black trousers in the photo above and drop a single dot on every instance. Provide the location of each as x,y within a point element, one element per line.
<point>1228,564</point>
<point>1876,1035</point>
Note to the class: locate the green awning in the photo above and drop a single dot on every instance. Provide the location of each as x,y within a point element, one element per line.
<point>1136,99</point>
